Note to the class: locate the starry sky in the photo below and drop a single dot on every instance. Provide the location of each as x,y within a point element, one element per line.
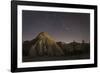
<point>62,26</point>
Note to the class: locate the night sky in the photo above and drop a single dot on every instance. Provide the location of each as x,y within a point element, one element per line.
<point>64,27</point>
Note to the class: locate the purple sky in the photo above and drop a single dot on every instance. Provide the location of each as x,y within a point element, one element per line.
<point>64,27</point>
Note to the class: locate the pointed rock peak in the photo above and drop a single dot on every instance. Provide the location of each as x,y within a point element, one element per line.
<point>44,35</point>
<point>45,45</point>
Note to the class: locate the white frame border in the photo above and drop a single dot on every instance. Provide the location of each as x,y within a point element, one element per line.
<point>53,63</point>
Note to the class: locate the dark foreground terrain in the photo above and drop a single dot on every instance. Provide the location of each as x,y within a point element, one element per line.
<point>78,57</point>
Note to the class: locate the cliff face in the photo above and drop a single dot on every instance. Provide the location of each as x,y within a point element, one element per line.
<point>44,45</point>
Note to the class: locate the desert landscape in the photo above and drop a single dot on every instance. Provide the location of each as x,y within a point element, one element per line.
<point>45,48</point>
<point>51,36</point>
